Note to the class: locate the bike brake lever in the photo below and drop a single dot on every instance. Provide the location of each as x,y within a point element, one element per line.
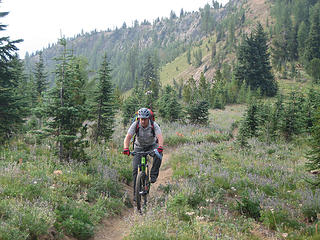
<point>158,154</point>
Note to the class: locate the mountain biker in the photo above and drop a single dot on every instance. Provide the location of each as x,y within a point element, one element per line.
<point>148,137</point>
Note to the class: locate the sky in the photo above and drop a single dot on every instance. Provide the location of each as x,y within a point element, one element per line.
<point>43,22</point>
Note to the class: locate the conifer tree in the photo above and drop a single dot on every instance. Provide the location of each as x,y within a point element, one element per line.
<point>40,76</point>
<point>203,87</point>
<point>105,107</point>
<point>206,19</point>
<point>250,123</point>
<point>302,37</point>
<point>132,64</point>
<point>313,42</point>
<point>168,106</point>
<point>151,80</point>
<point>66,107</point>
<point>253,63</point>
<point>313,155</point>
<point>291,123</point>
<point>189,56</point>
<point>276,117</point>
<point>314,69</point>
<point>311,106</point>
<point>11,114</point>
<point>190,91</point>
<point>198,112</point>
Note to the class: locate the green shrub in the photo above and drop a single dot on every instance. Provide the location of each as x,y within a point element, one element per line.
<point>75,219</point>
<point>178,205</point>
<point>104,187</point>
<point>10,232</point>
<point>278,219</point>
<point>77,228</point>
<point>20,219</point>
<point>311,212</point>
<point>156,231</point>
<point>176,140</point>
<point>268,190</point>
<point>249,207</point>
<point>113,205</point>
<point>222,182</point>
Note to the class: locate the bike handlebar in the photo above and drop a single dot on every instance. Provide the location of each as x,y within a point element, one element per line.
<point>151,153</point>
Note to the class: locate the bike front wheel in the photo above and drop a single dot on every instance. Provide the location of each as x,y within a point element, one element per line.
<point>141,190</point>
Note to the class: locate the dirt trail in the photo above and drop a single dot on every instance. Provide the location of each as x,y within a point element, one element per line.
<point>117,227</point>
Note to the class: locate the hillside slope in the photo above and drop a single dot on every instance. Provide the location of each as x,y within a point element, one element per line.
<point>169,39</point>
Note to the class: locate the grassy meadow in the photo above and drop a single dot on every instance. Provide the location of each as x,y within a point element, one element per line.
<point>41,196</point>
<point>221,191</point>
<point>218,189</point>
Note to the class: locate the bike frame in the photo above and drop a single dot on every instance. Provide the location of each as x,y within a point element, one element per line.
<point>143,175</point>
<point>144,167</point>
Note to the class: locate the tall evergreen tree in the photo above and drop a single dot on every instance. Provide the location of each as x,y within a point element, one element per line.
<point>11,114</point>
<point>66,107</point>
<point>190,91</point>
<point>105,107</point>
<point>253,63</point>
<point>313,42</point>
<point>314,70</point>
<point>206,19</point>
<point>132,64</point>
<point>302,37</point>
<point>203,87</point>
<point>168,105</point>
<point>151,80</point>
<point>40,76</point>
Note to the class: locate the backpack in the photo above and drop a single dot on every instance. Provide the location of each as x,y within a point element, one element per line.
<point>135,119</point>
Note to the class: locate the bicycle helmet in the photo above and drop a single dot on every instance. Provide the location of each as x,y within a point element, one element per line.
<point>143,113</point>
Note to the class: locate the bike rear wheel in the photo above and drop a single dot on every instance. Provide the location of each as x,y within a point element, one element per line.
<point>141,190</point>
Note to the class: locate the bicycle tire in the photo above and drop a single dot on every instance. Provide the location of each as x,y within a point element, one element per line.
<point>140,189</point>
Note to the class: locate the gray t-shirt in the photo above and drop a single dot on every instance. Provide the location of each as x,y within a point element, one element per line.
<point>145,137</point>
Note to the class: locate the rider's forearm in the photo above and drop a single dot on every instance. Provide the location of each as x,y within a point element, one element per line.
<point>160,139</point>
<point>126,141</point>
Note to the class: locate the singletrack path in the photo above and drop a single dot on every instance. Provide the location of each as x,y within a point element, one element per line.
<point>117,227</point>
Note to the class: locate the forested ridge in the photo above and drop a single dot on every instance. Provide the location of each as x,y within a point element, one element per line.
<point>236,92</point>
<point>127,47</point>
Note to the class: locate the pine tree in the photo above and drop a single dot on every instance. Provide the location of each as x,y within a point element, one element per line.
<point>313,69</point>
<point>132,64</point>
<point>251,123</point>
<point>40,76</point>
<point>314,154</point>
<point>302,36</point>
<point>311,106</point>
<point>276,117</point>
<point>189,56</point>
<point>151,80</point>
<point>313,42</point>
<point>11,110</point>
<point>291,123</point>
<point>168,106</point>
<point>253,63</point>
<point>190,91</point>
<point>206,19</point>
<point>105,107</point>
<point>203,87</point>
<point>198,112</point>
<point>67,109</point>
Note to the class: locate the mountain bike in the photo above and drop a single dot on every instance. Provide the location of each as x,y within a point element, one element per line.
<point>143,177</point>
